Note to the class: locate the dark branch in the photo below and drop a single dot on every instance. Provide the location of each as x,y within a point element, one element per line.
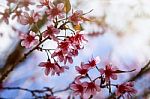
<point>35,93</point>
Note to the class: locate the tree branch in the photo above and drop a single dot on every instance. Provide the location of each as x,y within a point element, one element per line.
<point>35,93</point>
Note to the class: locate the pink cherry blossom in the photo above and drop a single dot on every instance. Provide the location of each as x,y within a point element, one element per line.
<point>76,17</point>
<point>82,70</point>
<point>59,54</point>
<point>30,19</point>
<point>64,46</point>
<point>17,13</point>
<point>74,52</point>
<point>77,88</point>
<point>93,62</point>
<point>54,11</point>
<point>28,40</point>
<point>61,70</point>
<point>109,72</point>
<point>124,88</point>
<point>53,68</point>
<point>76,42</point>
<point>62,57</point>
<point>50,67</point>
<point>91,88</point>
<point>77,39</point>
<point>68,48</point>
<point>50,32</point>
<point>68,58</point>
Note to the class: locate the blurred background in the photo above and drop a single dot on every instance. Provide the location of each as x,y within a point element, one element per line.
<point>118,33</point>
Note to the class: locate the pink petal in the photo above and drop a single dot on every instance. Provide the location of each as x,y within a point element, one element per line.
<point>56,68</point>
<point>53,72</point>
<point>35,42</point>
<point>61,16</point>
<point>45,34</point>
<point>48,12</point>
<point>107,79</point>
<point>47,71</point>
<point>92,92</point>
<point>42,64</point>
<point>77,79</point>
<point>108,67</point>
<point>25,44</point>
<point>56,31</point>
<point>77,68</point>
<point>60,6</point>
<point>51,5</point>
<point>22,35</point>
<point>65,60</point>
<point>54,54</point>
<point>55,38</point>
<point>114,76</point>
<point>73,87</point>
<point>102,71</point>
<point>32,33</point>
<point>61,58</point>
<point>49,17</point>
<point>98,88</point>
<point>70,60</point>
<point>85,84</point>
<point>118,93</point>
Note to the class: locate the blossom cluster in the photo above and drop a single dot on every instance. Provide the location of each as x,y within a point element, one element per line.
<point>90,88</point>
<point>59,21</point>
<point>61,29</point>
